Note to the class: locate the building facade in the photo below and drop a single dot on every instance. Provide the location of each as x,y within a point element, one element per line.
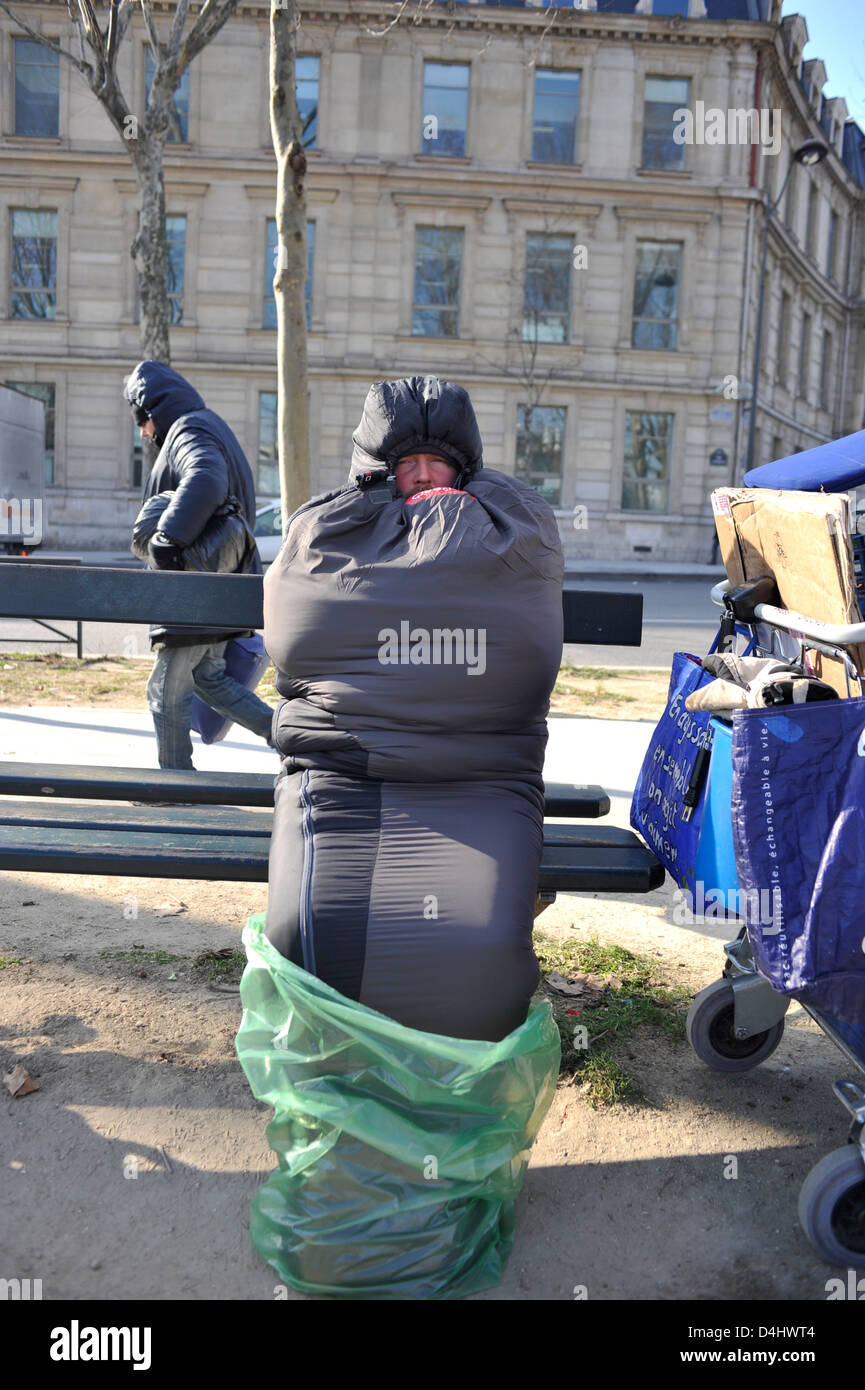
<point>560,209</point>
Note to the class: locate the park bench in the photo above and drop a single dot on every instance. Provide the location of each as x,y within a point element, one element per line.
<point>54,819</point>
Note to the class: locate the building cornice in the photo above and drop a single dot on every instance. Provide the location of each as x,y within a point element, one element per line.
<point>53,182</point>
<point>562,22</point>
<point>465,202</point>
<point>570,208</point>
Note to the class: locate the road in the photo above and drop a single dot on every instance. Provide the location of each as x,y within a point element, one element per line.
<point>677,616</point>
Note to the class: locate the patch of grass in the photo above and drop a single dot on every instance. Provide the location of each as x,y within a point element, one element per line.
<point>9,960</point>
<point>226,965</point>
<point>605,1083</point>
<point>587,673</point>
<point>137,957</point>
<point>630,995</point>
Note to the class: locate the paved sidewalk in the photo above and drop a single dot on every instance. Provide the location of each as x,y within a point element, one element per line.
<point>608,751</point>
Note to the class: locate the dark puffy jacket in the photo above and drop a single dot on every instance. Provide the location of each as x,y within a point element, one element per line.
<point>200,461</point>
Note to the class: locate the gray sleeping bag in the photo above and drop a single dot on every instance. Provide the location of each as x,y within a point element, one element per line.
<point>416,643</point>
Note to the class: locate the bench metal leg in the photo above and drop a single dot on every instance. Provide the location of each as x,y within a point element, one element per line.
<point>543,900</point>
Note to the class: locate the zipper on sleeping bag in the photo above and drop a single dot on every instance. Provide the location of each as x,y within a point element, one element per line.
<point>306,941</point>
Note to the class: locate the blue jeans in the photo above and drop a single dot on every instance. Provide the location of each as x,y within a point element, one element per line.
<point>177,675</point>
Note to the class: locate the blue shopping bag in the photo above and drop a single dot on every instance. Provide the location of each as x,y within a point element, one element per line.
<point>798,802</point>
<point>658,804</point>
<point>245,660</point>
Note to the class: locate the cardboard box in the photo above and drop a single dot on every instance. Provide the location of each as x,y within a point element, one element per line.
<point>803,540</point>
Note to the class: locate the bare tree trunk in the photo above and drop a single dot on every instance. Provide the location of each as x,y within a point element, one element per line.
<point>290,278</point>
<point>148,250</point>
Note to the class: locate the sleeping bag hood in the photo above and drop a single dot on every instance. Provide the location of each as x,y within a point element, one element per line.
<point>417,639</point>
<point>414,414</point>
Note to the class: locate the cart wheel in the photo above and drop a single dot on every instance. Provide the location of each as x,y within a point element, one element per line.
<point>710,1032</point>
<point>832,1207</point>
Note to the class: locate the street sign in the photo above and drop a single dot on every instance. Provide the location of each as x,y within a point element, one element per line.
<point>718,458</point>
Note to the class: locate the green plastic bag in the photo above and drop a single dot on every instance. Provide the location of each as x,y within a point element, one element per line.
<point>401,1153</point>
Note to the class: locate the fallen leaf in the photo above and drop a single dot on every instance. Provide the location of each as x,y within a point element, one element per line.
<point>19,1082</point>
<point>170,909</point>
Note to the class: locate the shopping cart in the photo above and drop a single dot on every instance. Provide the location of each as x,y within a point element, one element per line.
<point>738,1021</point>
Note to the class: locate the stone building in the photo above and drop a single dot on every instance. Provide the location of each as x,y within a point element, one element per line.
<point>560,209</point>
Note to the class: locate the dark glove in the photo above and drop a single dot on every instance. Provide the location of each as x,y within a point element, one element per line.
<point>165,554</point>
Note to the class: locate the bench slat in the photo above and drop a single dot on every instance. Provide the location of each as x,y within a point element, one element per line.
<point>622,866</point>
<point>216,788</point>
<point>95,594</point>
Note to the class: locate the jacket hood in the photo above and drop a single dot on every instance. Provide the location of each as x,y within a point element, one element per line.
<point>416,413</point>
<point>163,393</point>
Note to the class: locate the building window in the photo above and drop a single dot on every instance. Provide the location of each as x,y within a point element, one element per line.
<point>832,244</point>
<point>445,108</point>
<point>547,291</point>
<point>663,97</point>
<point>437,264</point>
<point>44,393</point>
<point>670,7</point>
<point>306,73</point>
<point>137,455</point>
<point>783,340</point>
<point>811,227</point>
<point>267,481</point>
<point>37,89</point>
<point>804,356</point>
<point>557,104</point>
<point>540,436</point>
<point>34,264</point>
<point>178,116</point>
<point>646,479</point>
<point>175,234</point>
<point>656,295</point>
<point>826,373</point>
<point>270,264</point>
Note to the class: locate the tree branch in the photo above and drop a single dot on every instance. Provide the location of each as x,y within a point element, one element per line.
<point>152,36</point>
<point>208,23</point>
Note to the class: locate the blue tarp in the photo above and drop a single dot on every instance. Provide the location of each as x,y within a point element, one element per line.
<point>833,467</point>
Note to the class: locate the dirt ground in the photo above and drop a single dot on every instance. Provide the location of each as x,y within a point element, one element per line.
<point>115,682</point>
<point>128,1173</point>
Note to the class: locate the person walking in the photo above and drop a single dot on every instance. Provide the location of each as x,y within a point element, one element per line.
<point>202,464</point>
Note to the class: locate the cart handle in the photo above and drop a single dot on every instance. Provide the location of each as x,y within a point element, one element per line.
<point>839,634</point>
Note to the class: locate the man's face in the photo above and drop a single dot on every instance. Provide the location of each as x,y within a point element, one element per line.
<point>147,430</point>
<point>417,472</point>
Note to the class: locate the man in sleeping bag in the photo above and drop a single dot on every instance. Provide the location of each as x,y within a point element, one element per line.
<point>414,617</point>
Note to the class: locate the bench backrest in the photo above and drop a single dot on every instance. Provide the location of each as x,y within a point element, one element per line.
<point>98,595</point>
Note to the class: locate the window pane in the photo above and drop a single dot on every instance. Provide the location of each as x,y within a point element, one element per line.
<point>656,295</point>
<point>547,291</point>
<point>34,264</point>
<point>557,96</point>
<point>445,108</point>
<point>540,437</point>
<point>306,72</point>
<point>270,262</point>
<point>267,484</point>
<point>664,96</point>
<point>804,355</point>
<point>646,478</point>
<point>830,248</point>
<point>37,89</point>
<point>178,129</point>
<point>669,7</point>
<point>43,392</point>
<point>175,232</point>
<point>438,260</point>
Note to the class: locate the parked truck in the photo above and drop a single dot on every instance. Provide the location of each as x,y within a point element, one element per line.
<point>22,471</point>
